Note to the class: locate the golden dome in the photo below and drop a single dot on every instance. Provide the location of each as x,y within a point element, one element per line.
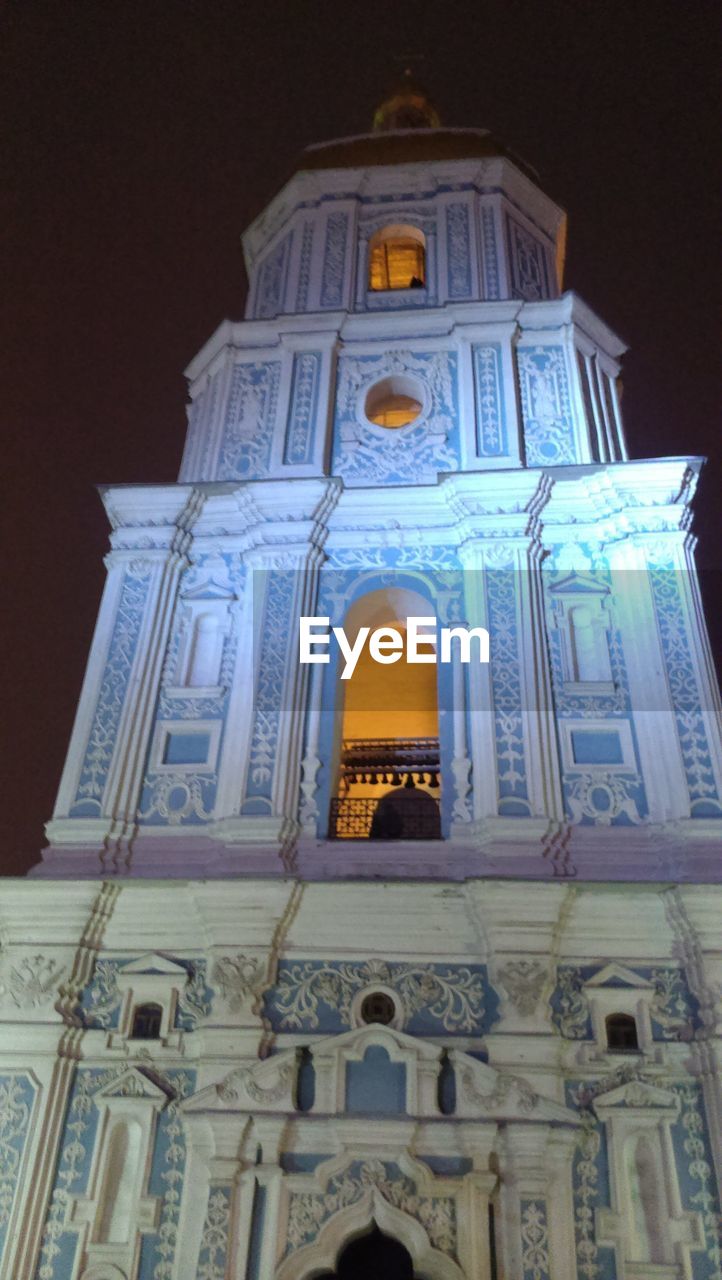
<point>406,146</point>
<point>408,106</point>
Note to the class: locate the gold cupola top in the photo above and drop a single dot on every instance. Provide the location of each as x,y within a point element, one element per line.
<point>408,106</point>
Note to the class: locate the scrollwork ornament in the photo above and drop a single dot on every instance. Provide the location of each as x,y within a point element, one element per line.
<point>587,1196</point>
<point>504,1086</point>
<point>308,1211</point>
<point>176,797</point>
<point>535,1240</point>
<point>195,998</point>
<point>104,998</point>
<point>699,1171</point>
<point>213,1253</point>
<point>571,1016</point>
<point>243,1080</point>
<point>16,1096</point>
<point>670,1005</point>
<point>426,446</point>
<point>452,996</point>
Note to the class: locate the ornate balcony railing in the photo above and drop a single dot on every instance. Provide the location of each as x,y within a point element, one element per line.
<point>353,819</point>
<point>405,812</point>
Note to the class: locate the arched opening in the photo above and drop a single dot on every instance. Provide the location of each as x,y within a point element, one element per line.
<point>446,1086</point>
<point>388,765</point>
<point>373,1256</point>
<point>147,1020</point>
<point>397,258</point>
<point>116,1204</point>
<point>305,1080</point>
<point>621,1029</point>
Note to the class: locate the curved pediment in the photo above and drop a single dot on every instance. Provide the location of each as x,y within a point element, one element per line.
<point>377,1070</point>
<point>483,1092</point>
<point>265,1085</point>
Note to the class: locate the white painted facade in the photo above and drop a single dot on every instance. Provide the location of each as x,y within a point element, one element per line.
<point>190,1085</point>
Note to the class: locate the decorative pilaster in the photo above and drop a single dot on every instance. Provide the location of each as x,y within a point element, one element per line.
<point>100,789</point>
<point>522,1200</point>
<point>694,695</point>
<point>482,745</point>
<point>659,751</point>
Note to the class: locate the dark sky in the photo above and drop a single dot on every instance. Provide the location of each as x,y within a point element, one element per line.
<point>138,139</point>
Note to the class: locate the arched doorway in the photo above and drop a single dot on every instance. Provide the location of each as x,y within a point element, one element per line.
<point>373,1256</point>
<point>389,779</point>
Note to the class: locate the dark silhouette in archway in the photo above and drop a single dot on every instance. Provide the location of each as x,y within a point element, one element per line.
<point>374,1257</point>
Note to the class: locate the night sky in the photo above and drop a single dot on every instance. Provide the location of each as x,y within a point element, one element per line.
<point>138,139</point>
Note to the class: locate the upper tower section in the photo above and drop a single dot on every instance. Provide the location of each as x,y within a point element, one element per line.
<point>410,215</point>
<point>404,320</point>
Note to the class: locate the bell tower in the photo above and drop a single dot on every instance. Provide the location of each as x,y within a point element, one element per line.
<point>321,975</point>
<point>413,419</point>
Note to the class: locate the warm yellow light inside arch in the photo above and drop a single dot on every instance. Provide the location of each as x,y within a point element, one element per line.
<point>397,259</point>
<point>398,701</point>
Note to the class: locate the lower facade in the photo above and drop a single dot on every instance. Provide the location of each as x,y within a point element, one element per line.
<point>270,1079</point>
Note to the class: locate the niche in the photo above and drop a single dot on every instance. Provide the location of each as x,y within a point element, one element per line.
<point>118,1191</point>
<point>646,1203</point>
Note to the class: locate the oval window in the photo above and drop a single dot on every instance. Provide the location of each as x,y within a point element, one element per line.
<point>394,402</point>
<point>395,411</point>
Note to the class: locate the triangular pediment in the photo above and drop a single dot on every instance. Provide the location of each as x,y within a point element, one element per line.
<point>210,589</point>
<point>617,975</point>
<point>133,1083</point>
<point>153,963</point>
<point>637,1093</point>
<point>579,584</point>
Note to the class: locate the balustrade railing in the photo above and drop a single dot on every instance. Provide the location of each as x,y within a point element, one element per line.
<point>406,811</point>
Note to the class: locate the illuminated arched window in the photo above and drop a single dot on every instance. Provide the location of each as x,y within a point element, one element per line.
<point>397,258</point>
<point>622,1033</point>
<point>389,781</point>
